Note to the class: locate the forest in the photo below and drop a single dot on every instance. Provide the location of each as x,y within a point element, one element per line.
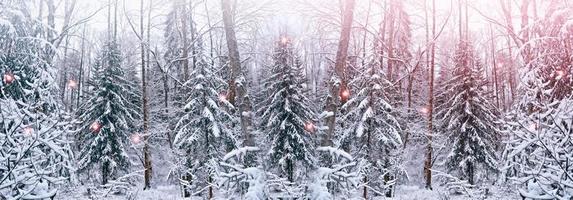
<point>286,99</point>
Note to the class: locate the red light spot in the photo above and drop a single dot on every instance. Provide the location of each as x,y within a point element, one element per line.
<point>309,126</point>
<point>95,127</point>
<point>345,94</point>
<point>533,126</point>
<point>284,40</point>
<point>222,97</point>
<point>8,78</point>
<point>135,138</point>
<point>28,131</point>
<point>425,110</point>
<point>72,84</point>
<point>559,74</point>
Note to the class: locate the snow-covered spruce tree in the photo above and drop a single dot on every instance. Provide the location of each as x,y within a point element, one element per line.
<point>205,132</point>
<point>538,151</point>
<point>285,112</point>
<point>468,117</point>
<point>109,117</point>
<point>372,129</point>
<point>34,157</point>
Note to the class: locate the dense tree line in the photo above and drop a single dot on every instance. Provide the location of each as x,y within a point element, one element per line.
<point>225,99</point>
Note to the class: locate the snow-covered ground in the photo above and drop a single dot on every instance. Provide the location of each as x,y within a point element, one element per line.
<point>403,192</point>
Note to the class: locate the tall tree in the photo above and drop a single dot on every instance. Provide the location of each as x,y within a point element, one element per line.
<point>237,94</point>
<point>429,149</point>
<point>204,132</point>
<point>146,153</point>
<point>286,113</point>
<point>338,85</point>
<point>109,117</point>
<point>372,122</point>
<point>469,117</point>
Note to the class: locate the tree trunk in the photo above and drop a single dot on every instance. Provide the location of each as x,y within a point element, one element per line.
<point>81,71</point>
<point>340,90</point>
<point>365,190</point>
<point>51,19</point>
<point>471,173</point>
<point>210,179</point>
<point>185,49</point>
<point>429,149</point>
<point>495,82</point>
<point>193,37</point>
<point>146,154</point>
<point>64,74</point>
<point>525,29</point>
<point>506,7</point>
<point>237,91</point>
<point>391,26</point>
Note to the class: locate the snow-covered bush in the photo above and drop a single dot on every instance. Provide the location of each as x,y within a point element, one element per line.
<point>539,152</point>
<point>34,146</point>
<point>238,180</point>
<point>341,180</point>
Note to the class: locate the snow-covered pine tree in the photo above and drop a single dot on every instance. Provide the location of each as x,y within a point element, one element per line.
<point>33,152</point>
<point>468,116</point>
<point>372,129</point>
<point>205,132</point>
<point>285,112</point>
<point>109,117</point>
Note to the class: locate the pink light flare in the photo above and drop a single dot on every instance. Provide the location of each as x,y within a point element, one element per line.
<point>425,110</point>
<point>135,138</point>
<point>559,74</point>
<point>28,131</point>
<point>72,84</point>
<point>95,127</point>
<point>309,127</point>
<point>223,97</point>
<point>344,94</point>
<point>533,126</point>
<point>284,40</point>
<point>8,78</point>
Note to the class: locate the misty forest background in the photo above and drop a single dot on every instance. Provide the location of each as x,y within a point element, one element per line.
<point>301,99</point>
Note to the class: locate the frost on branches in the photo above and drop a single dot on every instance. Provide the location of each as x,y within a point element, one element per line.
<point>539,153</point>
<point>205,132</point>
<point>285,112</point>
<point>468,117</point>
<point>108,118</point>
<point>34,157</point>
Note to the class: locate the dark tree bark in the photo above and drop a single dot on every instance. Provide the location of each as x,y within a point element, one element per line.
<point>184,34</point>
<point>339,92</point>
<point>146,153</point>
<point>429,148</point>
<point>237,94</point>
